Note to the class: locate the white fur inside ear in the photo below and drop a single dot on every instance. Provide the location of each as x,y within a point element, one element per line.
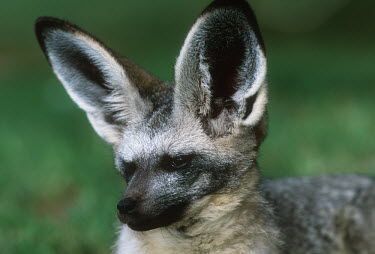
<point>258,88</point>
<point>260,73</point>
<point>259,107</point>
<point>259,76</point>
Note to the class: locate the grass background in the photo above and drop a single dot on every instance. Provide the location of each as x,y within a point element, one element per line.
<point>58,188</point>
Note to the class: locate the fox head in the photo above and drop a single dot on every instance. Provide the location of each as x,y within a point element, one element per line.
<point>175,145</point>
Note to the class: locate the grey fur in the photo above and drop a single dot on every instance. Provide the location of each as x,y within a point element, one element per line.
<point>188,152</point>
<point>326,214</point>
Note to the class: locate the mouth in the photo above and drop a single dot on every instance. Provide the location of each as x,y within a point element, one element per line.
<point>147,224</point>
<point>140,222</point>
<point>122,217</point>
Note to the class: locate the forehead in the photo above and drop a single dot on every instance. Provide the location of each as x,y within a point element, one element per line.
<point>172,138</point>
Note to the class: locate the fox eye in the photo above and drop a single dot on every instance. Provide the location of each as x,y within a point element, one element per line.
<point>128,170</point>
<point>177,162</point>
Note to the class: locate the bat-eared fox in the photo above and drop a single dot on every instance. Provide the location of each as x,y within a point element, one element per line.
<point>188,150</point>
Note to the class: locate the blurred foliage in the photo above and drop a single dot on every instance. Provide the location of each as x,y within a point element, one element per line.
<point>58,188</point>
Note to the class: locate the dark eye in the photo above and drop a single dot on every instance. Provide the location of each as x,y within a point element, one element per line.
<point>128,170</point>
<point>177,162</point>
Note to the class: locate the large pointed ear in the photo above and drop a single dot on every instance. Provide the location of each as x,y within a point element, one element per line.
<point>220,73</point>
<point>111,90</point>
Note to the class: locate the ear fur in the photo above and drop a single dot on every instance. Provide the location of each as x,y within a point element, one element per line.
<point>96,78</point>
<point>220,72</point>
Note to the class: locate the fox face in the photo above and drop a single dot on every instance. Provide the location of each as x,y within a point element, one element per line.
<point>178,146</point>
<point>166,170</point>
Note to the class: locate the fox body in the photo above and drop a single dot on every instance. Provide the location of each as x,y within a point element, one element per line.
<point>188,151</point>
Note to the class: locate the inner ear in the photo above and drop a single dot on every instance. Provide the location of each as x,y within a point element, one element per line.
<point>86,67</point>
<point>89,70</point>
<point>224,60</point>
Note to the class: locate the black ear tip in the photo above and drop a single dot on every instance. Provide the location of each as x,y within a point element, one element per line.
<point>229,1</point>
<point>41,25</point>
<point>240,7</point>
<point>241,4</point>
<point>46,19</point>
<point>45,23</point>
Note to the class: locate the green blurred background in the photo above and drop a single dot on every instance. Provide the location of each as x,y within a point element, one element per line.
<point>58,187</point>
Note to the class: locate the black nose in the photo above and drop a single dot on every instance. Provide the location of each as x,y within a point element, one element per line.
<point>126,206</point>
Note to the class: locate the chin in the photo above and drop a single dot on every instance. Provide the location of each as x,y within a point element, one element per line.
<point>146,223</point>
